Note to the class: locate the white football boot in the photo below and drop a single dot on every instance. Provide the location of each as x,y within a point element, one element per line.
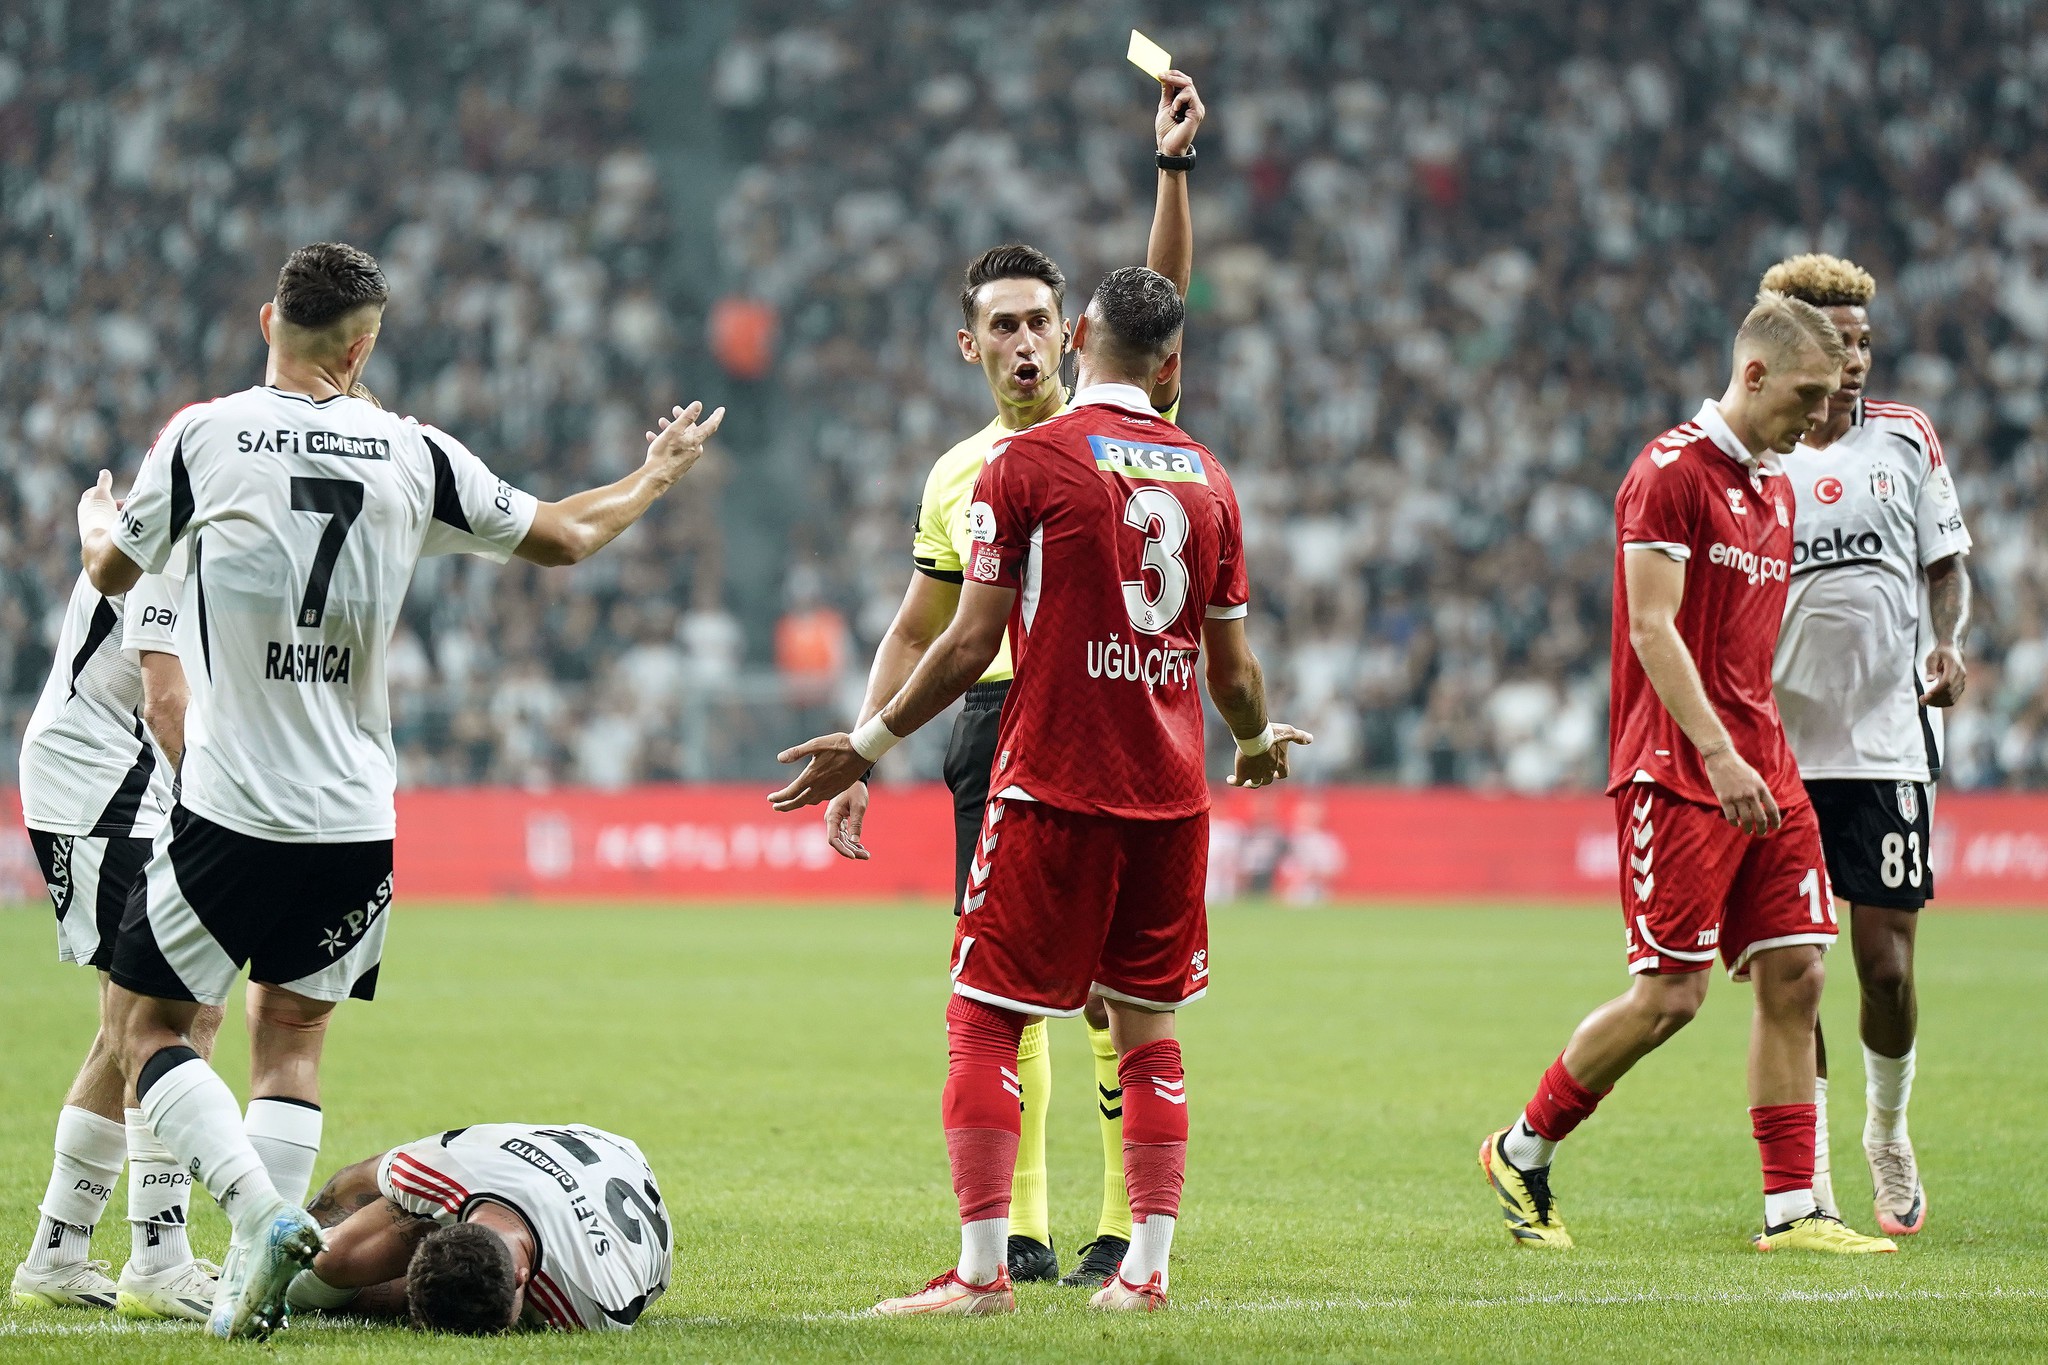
<point>183,1292</point>
<point>250,1300</point>
<point>83,1284</point>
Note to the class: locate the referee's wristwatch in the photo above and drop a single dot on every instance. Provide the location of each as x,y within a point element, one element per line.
<point>1175,163</point>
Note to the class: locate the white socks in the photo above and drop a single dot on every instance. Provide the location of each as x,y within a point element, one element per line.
<point>286,1134</point>
<point>159,1191</point>
<point>90,1154</point>
<point>1887,1086</point>
<point>195,1115</point>
<point>1525,1148</point>
<point>984,1249</point>
<point>1151,1240</point>
<point>1786,1205</point>
<point>1823,1175</point>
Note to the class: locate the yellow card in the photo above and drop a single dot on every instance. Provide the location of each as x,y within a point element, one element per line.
<point>1148,56</point>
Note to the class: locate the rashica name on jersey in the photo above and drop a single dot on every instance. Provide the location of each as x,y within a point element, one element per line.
<point>314,663</point>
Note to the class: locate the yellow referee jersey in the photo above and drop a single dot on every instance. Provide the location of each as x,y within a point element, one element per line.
<point>944,530</point>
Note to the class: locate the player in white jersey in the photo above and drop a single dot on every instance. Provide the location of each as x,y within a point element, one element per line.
<point>95,791</point>
<point>477,1230</point>
<point>1874,628</point>
<point>305,510</point>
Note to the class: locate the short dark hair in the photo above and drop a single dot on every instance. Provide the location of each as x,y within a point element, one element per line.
<point>1141,310</point>
<point>1012,262</point>
<point>461,1280</point>
<point>326,281</point>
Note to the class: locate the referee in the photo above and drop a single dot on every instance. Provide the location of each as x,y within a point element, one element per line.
<point>1012,302</point>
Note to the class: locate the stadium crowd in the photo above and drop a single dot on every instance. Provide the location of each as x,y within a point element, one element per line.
<point>1449,277</point>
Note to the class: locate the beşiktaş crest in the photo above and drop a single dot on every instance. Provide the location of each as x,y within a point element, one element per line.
<point>1909,801</point>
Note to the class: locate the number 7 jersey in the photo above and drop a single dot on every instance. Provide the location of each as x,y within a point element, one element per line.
<point>1121,536</point>
<point>305,520</point>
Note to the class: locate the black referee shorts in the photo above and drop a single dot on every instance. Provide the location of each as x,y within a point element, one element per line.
<point>970,754</point>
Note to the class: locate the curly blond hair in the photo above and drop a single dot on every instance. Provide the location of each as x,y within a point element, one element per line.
<point>1821,280</point>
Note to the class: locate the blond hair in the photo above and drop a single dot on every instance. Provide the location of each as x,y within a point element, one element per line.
<point>1784,327</point>
<point>1822,280</point>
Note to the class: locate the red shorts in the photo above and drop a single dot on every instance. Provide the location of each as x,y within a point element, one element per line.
<point>1693,885</point>
<point>1060,904</point>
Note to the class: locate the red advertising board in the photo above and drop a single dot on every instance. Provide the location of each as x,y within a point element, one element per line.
<point>1306,844</point>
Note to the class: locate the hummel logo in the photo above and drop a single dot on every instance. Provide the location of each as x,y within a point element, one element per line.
<point>1200,962</point>
<point>973,902</point>
<point>1644,886</point>
<point>995,814</point>
<point>1735,502</point>
<point>988,844</point>
<point>1643,809</point>
<point>1011,1083</point>
<point>977,871</point>
<point>1663,458</point>
<point>1642,863</point>
<point>1173,1092</point>
<point>1643,833</point>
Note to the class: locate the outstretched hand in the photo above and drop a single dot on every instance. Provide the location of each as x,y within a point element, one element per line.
<point>1262,770</point>
<point>834,766</point>
<point>1180,113</point>
<point>679,439</point>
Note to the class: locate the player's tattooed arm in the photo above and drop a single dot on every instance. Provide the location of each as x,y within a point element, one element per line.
<point>1948,600</point>
<point>349,1189</point>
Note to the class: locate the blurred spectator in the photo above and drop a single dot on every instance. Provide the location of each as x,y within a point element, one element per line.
<point>1454,265</point>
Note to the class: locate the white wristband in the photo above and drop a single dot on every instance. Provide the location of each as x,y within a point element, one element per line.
<point>873,739</point>
<point>1258,743</point>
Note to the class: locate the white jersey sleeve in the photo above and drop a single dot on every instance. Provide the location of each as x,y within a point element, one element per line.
<point>151,619</point>
<point>475,511</point>
<point>1938,514</point>
<point>604,1245</point>
<point>158,509</point>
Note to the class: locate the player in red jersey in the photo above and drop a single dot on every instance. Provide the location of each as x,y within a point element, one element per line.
<point>1720,849</point>
<point>1108,544</point>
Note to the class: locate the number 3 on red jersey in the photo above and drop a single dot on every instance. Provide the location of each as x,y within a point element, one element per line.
<point>1164,522</point>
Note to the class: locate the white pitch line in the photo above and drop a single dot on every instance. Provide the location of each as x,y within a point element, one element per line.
<point>20,1327</point>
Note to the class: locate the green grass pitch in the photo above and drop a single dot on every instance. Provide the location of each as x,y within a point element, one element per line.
<point>781,1068</point>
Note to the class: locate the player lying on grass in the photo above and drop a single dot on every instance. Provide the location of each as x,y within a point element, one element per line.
<point>1109,546</point>
<point>97,764</point>
<point>479,1230</point>
<point>1719,847</point>
<point>1012,303</point>
<point>1878,577</point>
<point>306,511</point>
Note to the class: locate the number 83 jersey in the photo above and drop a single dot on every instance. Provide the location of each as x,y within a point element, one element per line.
<point>305,520</point>
<point>1121,536</point>
<point>602,1242</point>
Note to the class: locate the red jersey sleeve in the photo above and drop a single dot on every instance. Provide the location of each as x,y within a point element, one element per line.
<point>1231,596</point>
<point>1658,506</point>
<point>1002,516</point>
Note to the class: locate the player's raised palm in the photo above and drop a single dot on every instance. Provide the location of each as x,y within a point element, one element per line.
<point>1264,769</point>
<point>678,441</point>
<point>1180,113</point>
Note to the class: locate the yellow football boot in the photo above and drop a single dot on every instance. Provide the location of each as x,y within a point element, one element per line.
<point>1525,1202</point>
<point>1818,1232</point>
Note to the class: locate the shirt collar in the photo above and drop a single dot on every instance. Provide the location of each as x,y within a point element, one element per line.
<point>1721,434</point>
<point>1114,396</point>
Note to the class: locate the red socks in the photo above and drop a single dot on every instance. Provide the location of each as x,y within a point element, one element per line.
<point>1784,1135</point>
<point>983,1105</point>
<point>1561,1103</point>
<point>1155,1127</point>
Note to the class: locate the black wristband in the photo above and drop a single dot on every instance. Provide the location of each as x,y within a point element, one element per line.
<point>867,778</point>
<point>1175,163</point>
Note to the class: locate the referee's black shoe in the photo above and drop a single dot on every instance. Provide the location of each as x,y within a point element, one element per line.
<point>1100,1259</point>
<point>1032,1260</point>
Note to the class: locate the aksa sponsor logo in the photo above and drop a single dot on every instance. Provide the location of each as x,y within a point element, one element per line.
<point>1751,565</point>
<point>1172,464</point>
<point>1836,546</point>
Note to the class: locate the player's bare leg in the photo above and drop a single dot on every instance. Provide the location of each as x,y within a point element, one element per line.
<point>195,1116</point>
<point>982,1126</point>
<point>1101,1256</point>
<point>1611,1040</point>
<point>286,1035</point>
<point>1883,939</point>
<point>1782,1054</point>
<point>1155,1104</point>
